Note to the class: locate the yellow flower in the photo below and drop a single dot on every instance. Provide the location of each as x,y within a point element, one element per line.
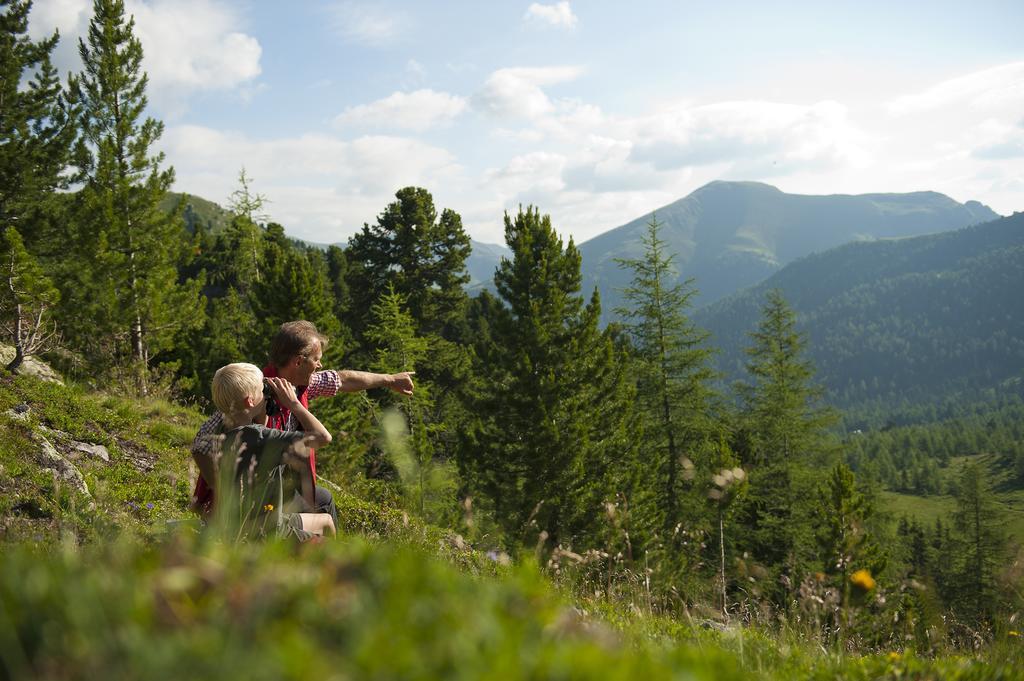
<point>268,507</point>
<point>1013,632</point>
<point>863,580</point>
<point>893,656</point>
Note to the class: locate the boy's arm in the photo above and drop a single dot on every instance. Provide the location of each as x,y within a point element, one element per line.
<point>204,447</point>
<point>207,468</point>
<point>317,435</point>
<point>296,457</point>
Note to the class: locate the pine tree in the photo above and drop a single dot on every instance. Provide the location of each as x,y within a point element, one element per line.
<point>673,377</point>
<point>551,439</point>
<point>36,129</point>
<point>124,289</point>
<point>27,297</point>
<point>421,254</point>
<point>294,285</point>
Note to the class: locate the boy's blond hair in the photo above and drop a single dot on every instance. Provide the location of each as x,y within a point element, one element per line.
<point>233,383</point>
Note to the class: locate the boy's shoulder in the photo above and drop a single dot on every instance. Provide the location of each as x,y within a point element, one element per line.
<point>257,435</point>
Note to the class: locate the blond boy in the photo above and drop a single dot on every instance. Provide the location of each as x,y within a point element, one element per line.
<point>240,395</point>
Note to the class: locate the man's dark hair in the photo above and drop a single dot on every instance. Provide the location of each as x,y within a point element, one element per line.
<point>292,339</point>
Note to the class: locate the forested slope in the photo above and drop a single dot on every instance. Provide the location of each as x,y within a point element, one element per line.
<point>729,235</point>
<point>900,321</point>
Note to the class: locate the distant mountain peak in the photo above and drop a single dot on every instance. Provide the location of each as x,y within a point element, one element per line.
<point>731,234</point>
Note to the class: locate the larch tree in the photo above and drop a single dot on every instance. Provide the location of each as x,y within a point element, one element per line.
<point>844,539</point>
<point>782,411</point>
<point>674,374</point>
<point>782,426</point>
<point>979,542</point>
<point>124,283</point>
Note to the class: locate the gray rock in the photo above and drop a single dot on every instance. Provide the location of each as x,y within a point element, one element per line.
<point>98,451</point>
<point>18,412</point>
<point>51,459</point>
<point>31,366</point>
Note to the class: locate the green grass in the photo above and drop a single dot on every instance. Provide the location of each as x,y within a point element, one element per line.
<point>112,590</point>
<point>926,509</point>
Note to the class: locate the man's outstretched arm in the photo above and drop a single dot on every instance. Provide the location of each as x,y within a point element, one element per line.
<point>356,381</point>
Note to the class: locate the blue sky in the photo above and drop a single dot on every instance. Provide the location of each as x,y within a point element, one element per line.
<point>597,112</point>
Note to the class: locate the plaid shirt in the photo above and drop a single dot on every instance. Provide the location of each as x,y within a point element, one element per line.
<point>207,441</point>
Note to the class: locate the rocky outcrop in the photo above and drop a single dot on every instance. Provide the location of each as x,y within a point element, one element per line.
<point>32,366</point>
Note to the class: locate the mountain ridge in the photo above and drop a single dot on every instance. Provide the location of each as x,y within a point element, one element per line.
<point>729,235</point>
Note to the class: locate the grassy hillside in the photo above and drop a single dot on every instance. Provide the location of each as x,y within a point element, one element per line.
<point>112,582</point>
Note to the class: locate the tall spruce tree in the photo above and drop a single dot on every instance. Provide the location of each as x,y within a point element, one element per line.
<point>123,289</point>
<point>553,427</point>
<point>674,375</point>
<point>36,131</point>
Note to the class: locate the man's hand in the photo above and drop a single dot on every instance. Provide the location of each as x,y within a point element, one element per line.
<point>284,392</point>
<point>401,382</point>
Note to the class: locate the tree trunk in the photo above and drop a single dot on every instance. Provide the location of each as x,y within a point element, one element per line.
<point>19,346</point>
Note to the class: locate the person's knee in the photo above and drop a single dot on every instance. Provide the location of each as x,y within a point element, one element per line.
<point>323,499</point>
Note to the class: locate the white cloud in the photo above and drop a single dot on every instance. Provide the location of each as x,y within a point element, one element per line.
<point>993,88</point>
<point>995,140</point>
<point>535,173</point>
<point>516,92</point>
<point>368,24</point>
<point>786,136</point>
<point>188,45</point>
<point>559,14</point>
<point>321,187</point>
<point>419,110</point>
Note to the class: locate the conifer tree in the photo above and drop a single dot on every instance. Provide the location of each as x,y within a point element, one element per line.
<point>782,426</point>
<point>429,481</point>
<point>27,298</point>
<point>781,405</point>
<point>421,254</point>
<point>552,434</point>
<point>294,285</point>
<point>36,130</point>
<point>673,377</point>
<point>980,544</point>
<point>124,289</point>
<point>244,232</point>
<point>844,540</point>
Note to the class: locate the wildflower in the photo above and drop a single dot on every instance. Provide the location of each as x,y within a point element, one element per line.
<point>863,580</point>
<point>893,656</point>
<point>1013,632</point>
<point>268,507</point>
